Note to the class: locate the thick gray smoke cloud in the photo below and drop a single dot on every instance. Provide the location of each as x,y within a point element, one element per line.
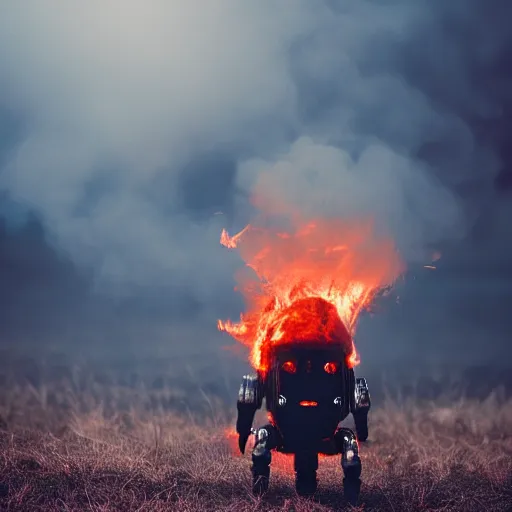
<point>138,122</point>
<point>117,99</point>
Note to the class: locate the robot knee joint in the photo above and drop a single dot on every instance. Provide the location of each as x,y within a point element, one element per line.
<point>350,460</point>
<point>261,452</point>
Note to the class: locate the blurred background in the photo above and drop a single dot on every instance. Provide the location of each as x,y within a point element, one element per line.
<point>131,134</point>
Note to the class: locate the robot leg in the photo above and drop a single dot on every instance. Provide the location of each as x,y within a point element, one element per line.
<point>266,439</point>
<point>350,463</point>
<point>306,464</point>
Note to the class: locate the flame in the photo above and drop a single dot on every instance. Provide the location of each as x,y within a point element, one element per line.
<point>231,241</point>
<point>308,282</point>
<point>231,436</point>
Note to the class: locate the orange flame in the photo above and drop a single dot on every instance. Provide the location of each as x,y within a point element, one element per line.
<point>308,282</point>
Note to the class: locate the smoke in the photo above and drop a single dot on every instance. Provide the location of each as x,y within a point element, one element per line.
<point>379,183</point>
<point>133,125</point>
<point>117,99</point>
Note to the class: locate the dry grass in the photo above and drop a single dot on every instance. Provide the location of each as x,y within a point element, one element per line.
<point>112,448</point>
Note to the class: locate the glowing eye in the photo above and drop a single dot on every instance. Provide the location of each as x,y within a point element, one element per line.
<point>331,368</point>
<point>289,367</point>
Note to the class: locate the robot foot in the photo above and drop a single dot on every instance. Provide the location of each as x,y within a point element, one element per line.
<point>306,465</point>
<point>351,490</point>
<point>260,478</point>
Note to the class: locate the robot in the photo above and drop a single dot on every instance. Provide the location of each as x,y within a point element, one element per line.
<point>309,389</point>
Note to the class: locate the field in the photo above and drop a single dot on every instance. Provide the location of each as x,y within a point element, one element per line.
<point>73,437</point>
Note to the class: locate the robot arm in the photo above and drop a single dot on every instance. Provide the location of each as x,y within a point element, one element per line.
<point>250,398</point>
<point>361,407</point>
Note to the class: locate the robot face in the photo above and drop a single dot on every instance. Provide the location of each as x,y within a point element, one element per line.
<point>309,391</point>
<point>309,376</point>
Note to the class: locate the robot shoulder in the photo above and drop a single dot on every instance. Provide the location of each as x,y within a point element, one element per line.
<point>251,391</point>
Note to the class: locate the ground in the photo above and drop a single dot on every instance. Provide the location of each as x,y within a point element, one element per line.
<point>75,440</point>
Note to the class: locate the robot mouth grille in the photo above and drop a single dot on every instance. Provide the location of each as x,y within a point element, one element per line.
<point>308,403</point>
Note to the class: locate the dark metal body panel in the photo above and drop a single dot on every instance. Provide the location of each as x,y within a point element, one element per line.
<point>310,427</point>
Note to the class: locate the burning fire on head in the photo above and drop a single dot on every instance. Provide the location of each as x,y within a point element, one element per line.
<point>308,282</point>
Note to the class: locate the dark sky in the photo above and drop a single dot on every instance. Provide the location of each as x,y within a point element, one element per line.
<point>126,128</point>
